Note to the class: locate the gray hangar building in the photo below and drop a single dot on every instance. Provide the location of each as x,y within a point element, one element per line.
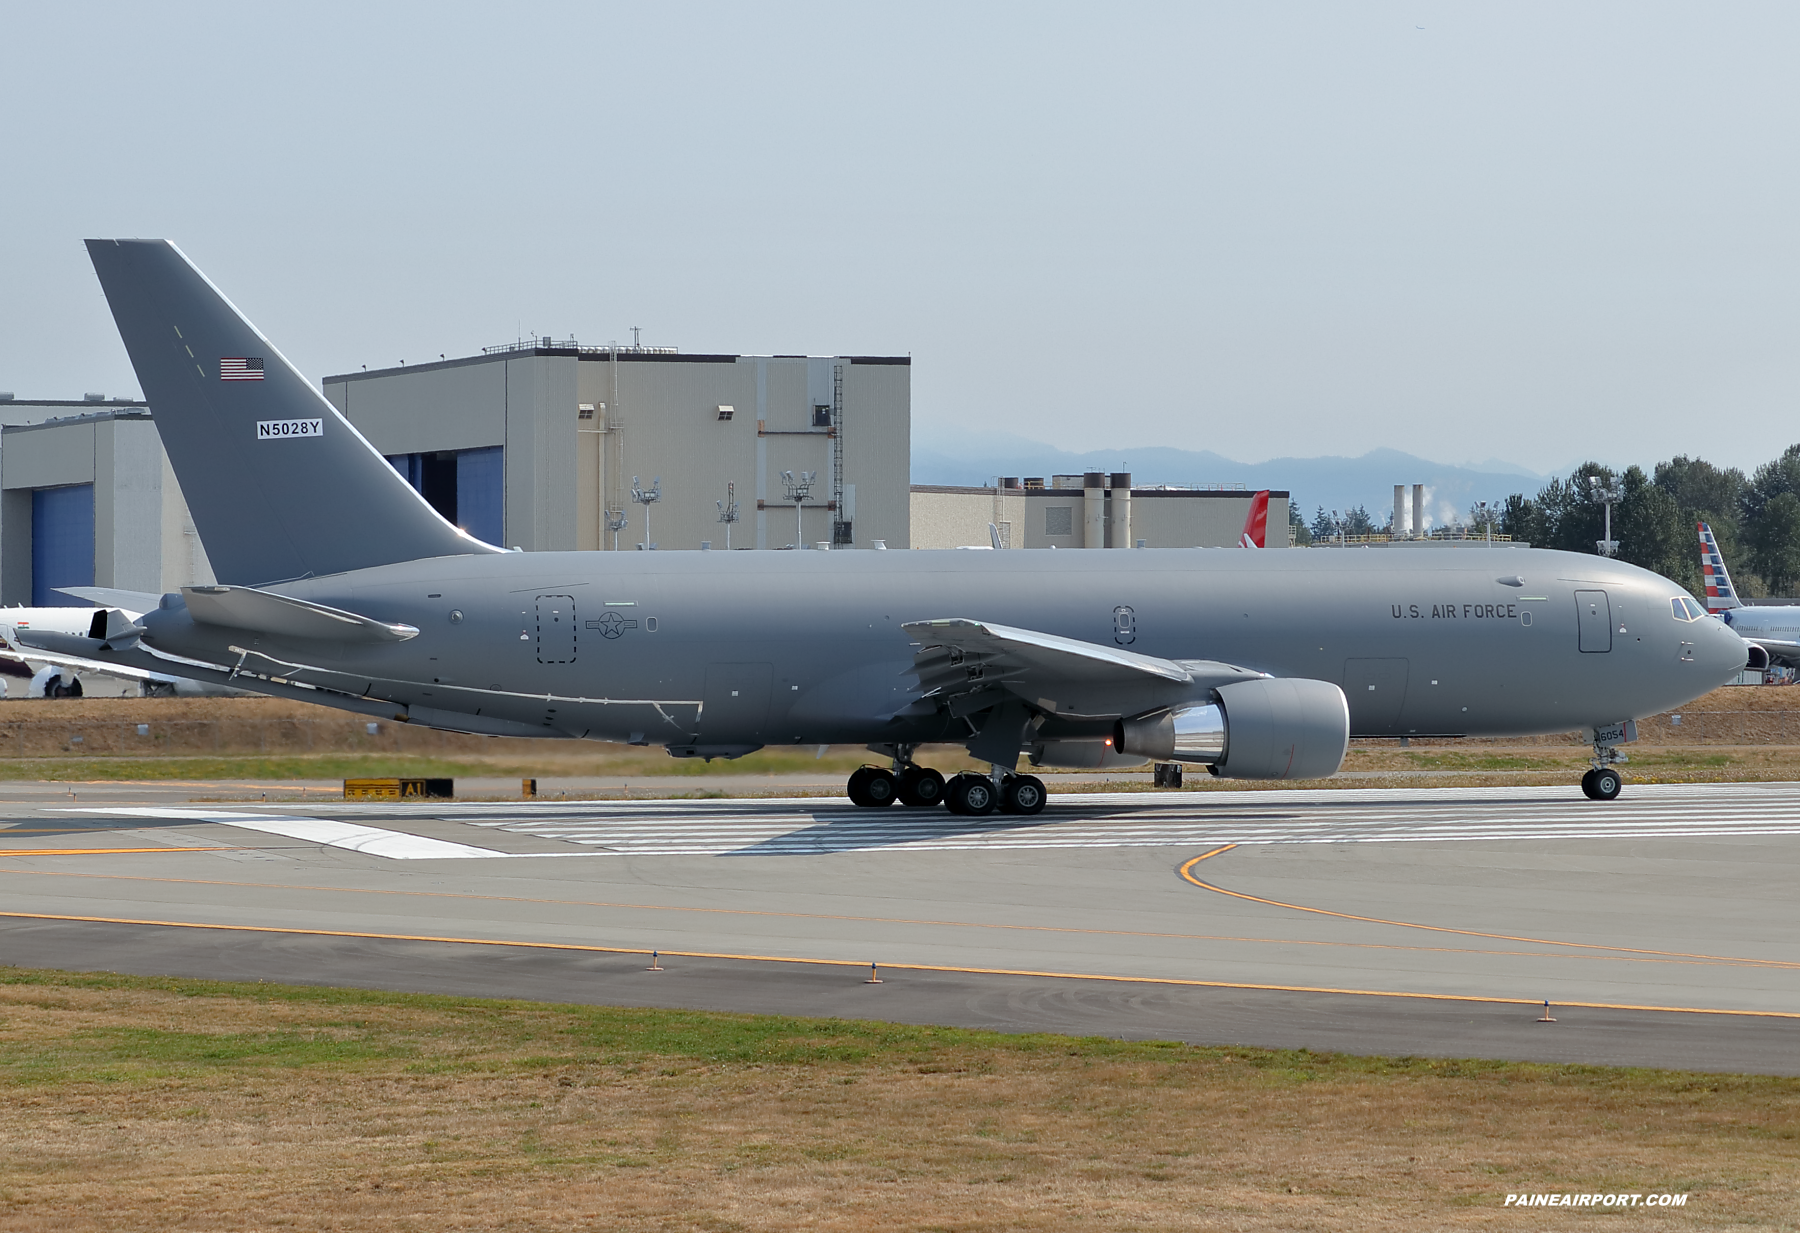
<point>533,445</point>
<point>540,445</point>
<point>87,498</point>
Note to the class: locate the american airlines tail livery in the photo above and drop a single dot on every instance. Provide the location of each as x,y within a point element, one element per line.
<point>1772,630</point>
<point>339,585</point>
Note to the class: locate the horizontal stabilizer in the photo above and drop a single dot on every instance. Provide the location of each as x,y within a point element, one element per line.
<point>111,597</point>
<point>283,616</point>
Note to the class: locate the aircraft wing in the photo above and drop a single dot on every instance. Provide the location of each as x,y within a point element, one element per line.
<point>968,662</point>
<point>32,655</point>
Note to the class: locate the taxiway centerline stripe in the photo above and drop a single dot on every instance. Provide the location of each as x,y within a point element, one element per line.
<point>927,923</point>
<point>1187,875</point>
<point>5,852</point>
<point>857,964</point>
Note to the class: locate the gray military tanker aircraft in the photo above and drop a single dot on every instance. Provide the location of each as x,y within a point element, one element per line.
<point>339,585</point>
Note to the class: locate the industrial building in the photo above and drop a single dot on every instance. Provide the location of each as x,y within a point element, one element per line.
<point>87,498</point>
<point>1094,510</point>
<point>551,445</point>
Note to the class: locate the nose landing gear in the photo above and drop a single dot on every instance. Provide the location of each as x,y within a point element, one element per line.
<point>1603,783</point>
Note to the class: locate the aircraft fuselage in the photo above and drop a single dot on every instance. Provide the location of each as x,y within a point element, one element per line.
<point>760,648</point>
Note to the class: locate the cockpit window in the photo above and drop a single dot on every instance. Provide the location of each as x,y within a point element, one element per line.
<point>1686,609</point>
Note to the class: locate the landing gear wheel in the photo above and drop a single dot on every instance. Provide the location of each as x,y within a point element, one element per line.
<point>871,787</point>
<point>1022,794</point>
<point>920,787</point>
<point>970,795</point>
<point>1602,785</point>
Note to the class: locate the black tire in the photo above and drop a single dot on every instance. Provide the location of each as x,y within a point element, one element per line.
<point>1607,784</point>
<point>971,796</point>
<point>1023,794</point>
<point>920,787</point>
<point>1587,786</point>
<point>871,787</point>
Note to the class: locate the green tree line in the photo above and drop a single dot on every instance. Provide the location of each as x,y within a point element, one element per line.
<point>1756,518</point>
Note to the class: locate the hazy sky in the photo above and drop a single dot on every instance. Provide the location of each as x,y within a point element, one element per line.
<point>1534,232</point>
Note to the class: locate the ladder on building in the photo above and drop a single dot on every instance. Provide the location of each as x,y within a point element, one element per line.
<point>841,531</point>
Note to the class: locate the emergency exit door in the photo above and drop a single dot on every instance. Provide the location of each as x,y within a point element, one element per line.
<point>1594,615</point>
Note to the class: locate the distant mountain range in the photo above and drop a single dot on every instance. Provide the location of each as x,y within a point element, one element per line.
<point>1331,482</point>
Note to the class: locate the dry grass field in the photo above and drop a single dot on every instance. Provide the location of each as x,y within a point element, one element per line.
<point>161,1104</point>
<point>1731,734</point>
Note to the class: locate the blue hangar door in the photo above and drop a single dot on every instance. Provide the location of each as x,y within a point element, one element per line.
<point>62,544</point>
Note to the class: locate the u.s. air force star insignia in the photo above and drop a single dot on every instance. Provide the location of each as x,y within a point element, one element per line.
<point>612,625</point>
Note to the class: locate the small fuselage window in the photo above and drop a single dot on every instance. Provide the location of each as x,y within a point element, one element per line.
<point>1686,609</point>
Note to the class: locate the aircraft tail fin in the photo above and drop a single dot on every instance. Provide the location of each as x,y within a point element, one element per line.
<point>1256,523</point>
<point>280,485</point>
<point>1720,595</point>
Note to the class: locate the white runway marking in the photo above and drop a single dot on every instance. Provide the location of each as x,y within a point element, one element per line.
<point>800,827</point>
<point>395,845</point>
<point>778,828</point>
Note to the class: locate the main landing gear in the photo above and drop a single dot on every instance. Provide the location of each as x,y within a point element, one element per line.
<point>973,795</point>
<point>967,794</point>
<point>876,787</point>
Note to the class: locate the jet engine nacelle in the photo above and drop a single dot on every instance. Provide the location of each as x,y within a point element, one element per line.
<point>54,682</point>
<point>1757,658</point>
<point>1272,728</point>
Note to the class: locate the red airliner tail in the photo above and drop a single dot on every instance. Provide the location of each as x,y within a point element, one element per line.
<point>1256,523</point>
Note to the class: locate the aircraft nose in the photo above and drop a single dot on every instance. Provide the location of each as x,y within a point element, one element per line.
<point>1723,652</point>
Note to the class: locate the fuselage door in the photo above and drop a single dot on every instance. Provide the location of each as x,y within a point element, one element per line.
<point>1376,690</point>
<point>556,629</point>
<point>1594,614</point>
<point>736,702</point>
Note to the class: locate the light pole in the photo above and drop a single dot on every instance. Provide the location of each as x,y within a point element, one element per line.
<point>728,512</point>
<point>1608,547</point>
<point>647,499</point>
<point>796,492</point>
<point>615,522</point>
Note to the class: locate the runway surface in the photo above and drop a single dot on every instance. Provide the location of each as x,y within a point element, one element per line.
<point>1431,921</point>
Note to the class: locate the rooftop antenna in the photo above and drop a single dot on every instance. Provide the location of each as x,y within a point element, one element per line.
<point>634,339</point>
<point>728,512</point>
<point>796,492</point>
<point>647,498</point>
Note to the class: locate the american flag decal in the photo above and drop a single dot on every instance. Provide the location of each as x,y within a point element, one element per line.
<point>243,368</point>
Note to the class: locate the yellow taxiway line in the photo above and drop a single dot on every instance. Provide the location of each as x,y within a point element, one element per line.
<point>1170,981</point>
